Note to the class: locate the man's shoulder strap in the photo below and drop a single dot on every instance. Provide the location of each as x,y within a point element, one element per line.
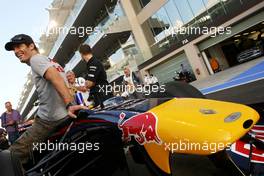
<point>3,118</point>
<point>4,114</point>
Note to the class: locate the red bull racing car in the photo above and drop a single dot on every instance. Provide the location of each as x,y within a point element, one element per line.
<point>171,133</point>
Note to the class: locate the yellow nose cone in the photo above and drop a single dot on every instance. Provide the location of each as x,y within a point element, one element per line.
<point>198,126</point>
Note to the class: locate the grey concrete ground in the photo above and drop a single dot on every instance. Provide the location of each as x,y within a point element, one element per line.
<point>249,93</point>
<point>225,75</point>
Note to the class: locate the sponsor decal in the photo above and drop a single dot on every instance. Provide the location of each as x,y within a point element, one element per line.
<point>143,127</point>
<point>243,149</point>
<point>93,67</point>
<point>90,75</point>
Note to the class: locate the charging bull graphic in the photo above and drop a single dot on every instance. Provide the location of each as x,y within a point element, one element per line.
<point>142,126</point>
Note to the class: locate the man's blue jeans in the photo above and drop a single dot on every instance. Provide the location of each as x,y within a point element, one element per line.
<point>12,136</point>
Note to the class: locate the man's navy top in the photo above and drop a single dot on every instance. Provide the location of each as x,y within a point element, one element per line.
<point>96,73</point>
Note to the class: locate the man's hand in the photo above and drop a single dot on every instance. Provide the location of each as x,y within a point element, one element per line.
<point>74,108</point>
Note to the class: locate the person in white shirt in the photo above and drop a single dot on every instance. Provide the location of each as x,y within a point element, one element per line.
<point>146,80</point>
<point>130,81</point>
<point>153,80</point>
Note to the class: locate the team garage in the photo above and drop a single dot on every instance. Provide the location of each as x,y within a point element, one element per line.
<point>246,43</point>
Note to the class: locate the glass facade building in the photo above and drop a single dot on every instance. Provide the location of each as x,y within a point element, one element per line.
<point>178,20</point>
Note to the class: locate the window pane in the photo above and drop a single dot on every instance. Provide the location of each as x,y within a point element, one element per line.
<point>143,3</point>
<point>197,7</point>
<point>184,10</point>
<point>173,14</point>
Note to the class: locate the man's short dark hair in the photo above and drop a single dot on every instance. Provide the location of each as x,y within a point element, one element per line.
<point>85,49</point>
<point>8,102</point>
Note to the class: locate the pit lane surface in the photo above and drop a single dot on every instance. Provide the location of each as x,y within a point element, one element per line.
<point>246,87</point>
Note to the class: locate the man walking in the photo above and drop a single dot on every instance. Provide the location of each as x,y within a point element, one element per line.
<point>10,120</point>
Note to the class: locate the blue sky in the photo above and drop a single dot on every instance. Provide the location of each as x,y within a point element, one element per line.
<point>29,17</point>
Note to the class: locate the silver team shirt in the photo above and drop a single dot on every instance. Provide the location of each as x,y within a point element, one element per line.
<point>51,105</point>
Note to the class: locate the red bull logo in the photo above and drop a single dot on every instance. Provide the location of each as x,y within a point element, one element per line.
<point>142,127</point>
<point>243,149</point>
